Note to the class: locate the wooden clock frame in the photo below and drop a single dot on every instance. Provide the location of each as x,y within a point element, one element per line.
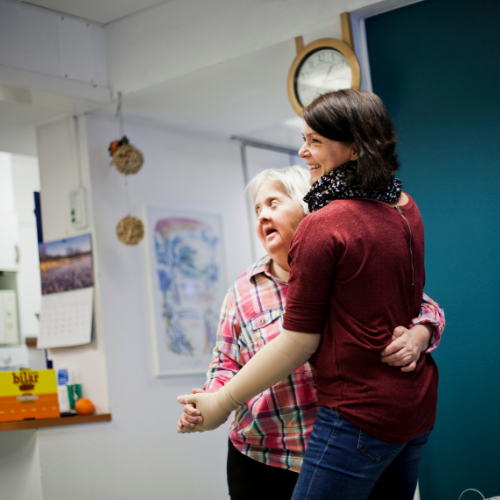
<point>303,52</point>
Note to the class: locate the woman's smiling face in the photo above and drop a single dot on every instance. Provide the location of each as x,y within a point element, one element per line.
<point>277,219</point>
<point>323,155</point>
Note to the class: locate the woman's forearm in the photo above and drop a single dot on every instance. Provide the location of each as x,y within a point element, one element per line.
<point>273,363</point>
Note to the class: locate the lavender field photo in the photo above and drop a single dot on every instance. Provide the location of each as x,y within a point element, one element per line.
<point>66,264</point>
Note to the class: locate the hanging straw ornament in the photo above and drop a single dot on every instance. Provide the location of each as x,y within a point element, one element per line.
<point>130,230</point>
<point>127,160</point>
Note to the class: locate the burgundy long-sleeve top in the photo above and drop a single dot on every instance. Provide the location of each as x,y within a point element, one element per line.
<point>357,272</point>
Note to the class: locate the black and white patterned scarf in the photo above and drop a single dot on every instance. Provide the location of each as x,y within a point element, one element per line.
<point>335,186</point>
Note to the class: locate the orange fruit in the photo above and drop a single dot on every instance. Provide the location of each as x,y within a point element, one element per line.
<point>84,406</point>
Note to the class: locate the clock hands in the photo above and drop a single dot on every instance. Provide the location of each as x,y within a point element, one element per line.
<point>328,73</point>
<point>326,77</point>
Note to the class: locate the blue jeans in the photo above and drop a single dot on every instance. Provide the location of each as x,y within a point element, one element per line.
<point>342,462</point>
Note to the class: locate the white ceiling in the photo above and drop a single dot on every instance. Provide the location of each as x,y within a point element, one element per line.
<point>245,96</point>
<point>99,11</point>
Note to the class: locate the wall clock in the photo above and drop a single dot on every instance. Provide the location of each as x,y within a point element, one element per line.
<point>322,66</point>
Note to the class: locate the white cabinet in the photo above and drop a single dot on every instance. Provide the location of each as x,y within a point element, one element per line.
<point>9,239</point>
<point>9,330</point>
<point>9,242</point>
<point>14,358</point>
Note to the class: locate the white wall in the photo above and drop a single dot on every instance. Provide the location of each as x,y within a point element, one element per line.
<point>59,175</point>
<point>19,466</point>
<point>139,454</point>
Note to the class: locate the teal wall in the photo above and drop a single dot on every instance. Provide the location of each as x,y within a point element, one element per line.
<point>436,65</point>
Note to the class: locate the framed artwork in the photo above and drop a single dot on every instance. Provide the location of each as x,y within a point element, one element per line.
<point>184,271</point>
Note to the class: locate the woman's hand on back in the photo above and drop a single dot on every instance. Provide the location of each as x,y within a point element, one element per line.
<point>407,345</point>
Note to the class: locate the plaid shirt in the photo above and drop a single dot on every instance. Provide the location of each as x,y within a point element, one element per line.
<point>273,427</point>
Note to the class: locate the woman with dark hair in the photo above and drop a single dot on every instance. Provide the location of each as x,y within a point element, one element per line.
<point>356,271</point>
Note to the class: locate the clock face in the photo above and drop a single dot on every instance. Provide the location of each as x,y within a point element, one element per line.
<point>321,71</point>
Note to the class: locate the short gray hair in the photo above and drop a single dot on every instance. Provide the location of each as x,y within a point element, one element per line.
<point>295,182</point>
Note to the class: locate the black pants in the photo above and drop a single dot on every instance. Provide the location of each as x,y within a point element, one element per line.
<point>251,480</point>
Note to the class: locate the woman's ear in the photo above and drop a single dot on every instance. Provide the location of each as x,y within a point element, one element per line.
<point>354,151</point>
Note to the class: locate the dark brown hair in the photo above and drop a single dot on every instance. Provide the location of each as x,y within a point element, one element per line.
<point>358,116</point>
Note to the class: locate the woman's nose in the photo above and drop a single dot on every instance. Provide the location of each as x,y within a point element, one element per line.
<point>302,150</point>
<point>263,215</point>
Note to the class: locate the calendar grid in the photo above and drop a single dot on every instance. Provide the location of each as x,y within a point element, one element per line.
<point>66,318</point>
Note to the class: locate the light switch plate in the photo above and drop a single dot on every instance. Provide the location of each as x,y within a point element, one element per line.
<point>78,208</point>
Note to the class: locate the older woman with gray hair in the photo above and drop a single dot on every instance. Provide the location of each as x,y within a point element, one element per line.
<point>269,433</point>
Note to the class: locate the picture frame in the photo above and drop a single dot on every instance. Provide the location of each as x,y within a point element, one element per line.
<point>185,281</point>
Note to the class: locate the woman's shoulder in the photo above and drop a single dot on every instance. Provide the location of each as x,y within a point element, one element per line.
<point>407,202</point>
<point>360,204</point>
<point>334,209</point>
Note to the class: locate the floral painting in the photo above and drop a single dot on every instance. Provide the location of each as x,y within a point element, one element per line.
<point>185,275</point>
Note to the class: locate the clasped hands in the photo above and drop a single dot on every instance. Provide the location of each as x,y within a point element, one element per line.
<point>215,408</point>
<point>207,411</point>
